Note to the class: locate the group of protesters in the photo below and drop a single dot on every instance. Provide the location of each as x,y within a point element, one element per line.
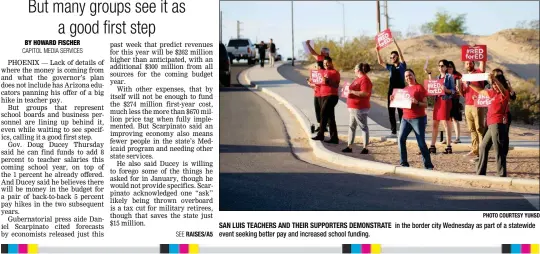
<point>488,126</point>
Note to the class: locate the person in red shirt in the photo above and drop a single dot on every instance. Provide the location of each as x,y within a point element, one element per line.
<point>325,52</point>
<point>497,123</point>
<point>414,119</point>
<point>456,110</point>
<point>329,94</point>
<point>358,105</point>
<point>442,107</point>
<point>475,116</point>
<point>506,83</point>
<point>316,98</point>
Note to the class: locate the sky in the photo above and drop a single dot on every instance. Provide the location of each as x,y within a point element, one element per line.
<point>262,20</point>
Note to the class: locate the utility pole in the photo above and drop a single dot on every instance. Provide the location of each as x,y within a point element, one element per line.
<point>386,13</point>
<point>220,26</point>
<point>292,29</point>
<point>238,29</point>
<point>378,17</point>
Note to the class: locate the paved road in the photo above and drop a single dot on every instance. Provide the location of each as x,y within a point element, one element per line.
<point>259,172</point>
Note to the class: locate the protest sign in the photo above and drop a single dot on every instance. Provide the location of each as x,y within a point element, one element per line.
<point>317,77</point>
<point>345,89</point>
<point>434,87</point>
<point>305,45</point>
<point>383,39</point>
<point>475,77</point>
<point>482,101</point>
<point>474,53</point>
<point>402,99</point>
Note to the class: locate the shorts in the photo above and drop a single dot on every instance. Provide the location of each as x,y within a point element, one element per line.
<point>441,109</point>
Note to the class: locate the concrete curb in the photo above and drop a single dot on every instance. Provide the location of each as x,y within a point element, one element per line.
<point>486,182</point>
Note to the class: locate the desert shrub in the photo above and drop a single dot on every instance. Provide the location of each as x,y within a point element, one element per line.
<point>526,106</point>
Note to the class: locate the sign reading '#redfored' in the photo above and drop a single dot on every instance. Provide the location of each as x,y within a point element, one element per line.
<point>474,53</point>
<point>383,39</point>
<point>345,90</point>
<point>434,87</point>
<point>402,99</point>
<point>482,101</point>
<point>317,77</point>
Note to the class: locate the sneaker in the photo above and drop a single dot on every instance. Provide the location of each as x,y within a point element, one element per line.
<point>475,159</point>
<point>332,141</point>
<point>393,135</point>
<point>444,142</point>
<point>347,150</point>
<point>457,141</point>
<point>364,151</point>
<point>318,138</point>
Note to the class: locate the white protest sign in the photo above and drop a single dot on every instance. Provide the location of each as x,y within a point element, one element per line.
<point>345,90</point>
<point>306,49</point>
<point>475,77</point>
<point>402,99</point>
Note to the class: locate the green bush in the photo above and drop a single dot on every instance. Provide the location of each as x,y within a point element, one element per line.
<point>526,106</point>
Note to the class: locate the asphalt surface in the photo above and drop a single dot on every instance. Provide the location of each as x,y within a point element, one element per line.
<point>258,172</point>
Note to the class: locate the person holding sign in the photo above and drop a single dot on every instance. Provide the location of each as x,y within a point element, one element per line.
<point>317,94</point>
<point>442,107</point>
<point>329,94</point>
<point>475,116</point>
<point>497,123</point>
<point>397,80</point>
<point>358,105</point>
<point>455,111</point>
<point>499,74</point>
<point>414,119</point>
<point>325,52</point>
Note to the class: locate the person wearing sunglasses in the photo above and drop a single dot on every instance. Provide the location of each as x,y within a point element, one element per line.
<point>475,116</point>
<point>397,80</point>
<point>442,107</point>
<point>497,121</point>
<point>499,74</point>
<point>456,111</point>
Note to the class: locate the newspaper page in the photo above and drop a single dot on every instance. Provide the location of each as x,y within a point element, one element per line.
<point>156,126</point>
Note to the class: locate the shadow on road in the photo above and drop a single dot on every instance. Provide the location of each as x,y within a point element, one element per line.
<point>254,149</point>
<point>352,192</point>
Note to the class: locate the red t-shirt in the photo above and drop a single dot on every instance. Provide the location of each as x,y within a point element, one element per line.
<point>326,89</point>
<point>497,108</point>
<point>362,84</point>
<point>419,93</point>
<point>469,92</point>
<point>317,91</point>
<point>320,58</point>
